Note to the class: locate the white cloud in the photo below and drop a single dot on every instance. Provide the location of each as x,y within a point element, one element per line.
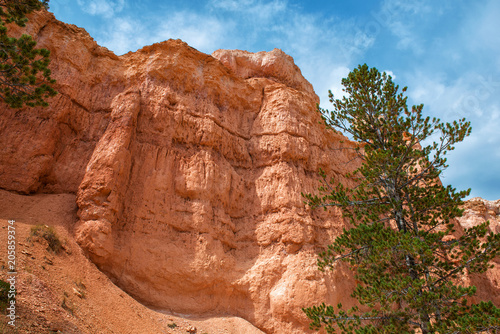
<point>452,66</point>
<point>105,8</point>
<point>321,46</point>
<point>473,163</point>
<point>335,85</point>
<point>233,5</point>
<point>474,97</point>
<point>257,9</point>
<point>449,98</point>
<point>393,76</point>
<point>125,34</point>
<point>415,7</point>
<point>203,32</point>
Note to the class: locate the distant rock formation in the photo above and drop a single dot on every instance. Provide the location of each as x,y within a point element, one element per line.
<point>188,170</point>
<point>477,211</point>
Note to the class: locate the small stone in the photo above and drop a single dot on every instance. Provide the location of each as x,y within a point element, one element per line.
<point>77,293</point>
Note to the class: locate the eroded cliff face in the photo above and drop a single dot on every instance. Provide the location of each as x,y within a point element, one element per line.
<point>191,200</point>
<point>188,170</point>
<point>48,149</point>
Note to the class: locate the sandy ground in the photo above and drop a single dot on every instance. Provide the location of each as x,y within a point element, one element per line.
<point>64,292</point>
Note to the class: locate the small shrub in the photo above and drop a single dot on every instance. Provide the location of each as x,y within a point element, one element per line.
<point>4,295</point>
<point>47,233</point>
<point>172,325</point>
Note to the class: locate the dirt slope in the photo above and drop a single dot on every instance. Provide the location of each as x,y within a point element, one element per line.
<point>64,292</point>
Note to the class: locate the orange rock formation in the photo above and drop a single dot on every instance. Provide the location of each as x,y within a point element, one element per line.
<point>188,170</point>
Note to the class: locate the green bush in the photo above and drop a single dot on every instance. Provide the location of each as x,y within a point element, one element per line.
<point>47,233</point>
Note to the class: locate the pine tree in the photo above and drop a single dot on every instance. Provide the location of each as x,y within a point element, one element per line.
<point>402,246</point>
<point>24,73</point>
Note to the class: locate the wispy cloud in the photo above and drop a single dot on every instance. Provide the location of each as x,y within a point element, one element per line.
<point>128,34</point>
<point>335,84</point>
<point>320,46</point>
<point>105,8</point>
<point>208,33</point>
<point>473,164</point>
<point>391,73</point>
<point>123,35</point>
<point>258,9</point>
<point>445,51</point>
<point>403,18</point>
<point>472,96</point>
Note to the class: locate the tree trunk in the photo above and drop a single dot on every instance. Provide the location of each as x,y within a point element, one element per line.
<point>410,262</point>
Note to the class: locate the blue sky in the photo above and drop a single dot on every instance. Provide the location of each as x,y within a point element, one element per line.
<point>446,52</point>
